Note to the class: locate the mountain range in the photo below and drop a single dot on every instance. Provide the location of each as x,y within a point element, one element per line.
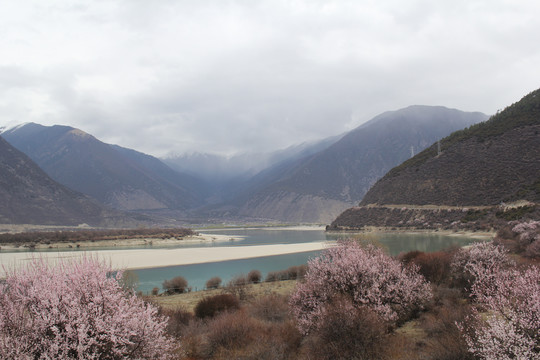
<point>478,173</point>
<point>489,163</point>
<point>30,196</point>
<point>117,177</point>
<point>311,182</point>
<point>318,187</point>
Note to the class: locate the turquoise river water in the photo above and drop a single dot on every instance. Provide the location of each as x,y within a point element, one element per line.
<point>198,274</point>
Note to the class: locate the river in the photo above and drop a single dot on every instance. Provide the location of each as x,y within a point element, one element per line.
<point>198,274</point>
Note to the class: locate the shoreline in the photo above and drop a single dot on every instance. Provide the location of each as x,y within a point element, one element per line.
<point>134,259</point>
<point>161,253</point>
<point>380,230</point>
<point>122,243</point>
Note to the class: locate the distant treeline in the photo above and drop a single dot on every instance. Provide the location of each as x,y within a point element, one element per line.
<point>47,237</point>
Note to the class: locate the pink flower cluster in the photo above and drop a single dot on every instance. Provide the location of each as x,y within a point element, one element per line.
<point>509,327</point>
<point>529,237</point>
<point>366,276</point>
<point>76,310</point>
<point>480,259</point>
<point>526,226</point>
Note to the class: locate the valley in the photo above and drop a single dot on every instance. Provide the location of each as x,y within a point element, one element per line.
<point>307,183</point>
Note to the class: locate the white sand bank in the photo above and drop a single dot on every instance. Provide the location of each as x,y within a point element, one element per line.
<point>151,258</point>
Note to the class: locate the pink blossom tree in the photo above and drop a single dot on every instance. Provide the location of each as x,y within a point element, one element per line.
<point>528,236</point>
<point>509,328</point>
<point>76,310</point>
<point>482,259</point>
<point>367,276</point>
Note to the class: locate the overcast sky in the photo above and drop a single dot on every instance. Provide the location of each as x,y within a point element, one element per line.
<point>229,76</point>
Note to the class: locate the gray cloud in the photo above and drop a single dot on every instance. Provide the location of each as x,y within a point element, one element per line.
<point>235,76</point>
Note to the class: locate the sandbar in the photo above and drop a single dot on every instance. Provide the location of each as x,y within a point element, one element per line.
<point>133,242</point>
<point>152,258</point>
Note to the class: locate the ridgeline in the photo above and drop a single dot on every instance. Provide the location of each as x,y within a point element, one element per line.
<point>480,176</point>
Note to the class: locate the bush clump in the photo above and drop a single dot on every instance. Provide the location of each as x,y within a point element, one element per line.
<point>211,306</point>
<point>434,266</point>
<point>213,283</point>
<point>349,332</point>
<point>291,273</point>
<point>177,285</point>
<point>254,276</point>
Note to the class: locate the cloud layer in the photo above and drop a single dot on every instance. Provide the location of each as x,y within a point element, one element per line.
<point>235,76</point>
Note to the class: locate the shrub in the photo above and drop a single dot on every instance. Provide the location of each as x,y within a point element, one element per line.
<point>213,283</point>
<point>254,276</point>
<point>178,319</point>
<point>296,272</point>
<point>76,310</point>
<point>367,276</point>
<point>291,273</point>
<point>272,276</point>
<point>409,256</point>
<point>445,341</point>
<point>237,335</point>
<point>533,250</point>
<point>177,285</point>
<point>231,331</point>
<point>434,266</point>
<point>271,308</point>
<point>237,287</point>
<point>211,306</point>
<point>349,332</point>
<point>155,291</point>
<point>238,280</point>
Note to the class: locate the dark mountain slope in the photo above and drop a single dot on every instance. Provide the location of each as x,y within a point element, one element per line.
<point>29,196</point>
<point>474,182</point>
<point>320,186</point>
<point>121,178</point>
<point>492,162</point>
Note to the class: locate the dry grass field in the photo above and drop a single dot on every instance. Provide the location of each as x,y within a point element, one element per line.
<point>189,300</point>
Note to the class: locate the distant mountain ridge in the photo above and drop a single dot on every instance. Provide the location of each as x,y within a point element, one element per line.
<point>117,177</point>
<point>29,196</point>
<point>212,167</point>
<point>308,183</point>
<point>320,186</point>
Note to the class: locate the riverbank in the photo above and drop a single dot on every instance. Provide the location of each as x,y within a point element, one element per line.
<point>131,259</point>
<point>486,235</point>
<point>123,243</point>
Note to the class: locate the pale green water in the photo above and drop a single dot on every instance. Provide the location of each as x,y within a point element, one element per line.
<point>198,274</point>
